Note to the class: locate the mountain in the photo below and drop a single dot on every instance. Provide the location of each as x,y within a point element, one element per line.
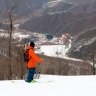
<point>80,1</point>
<point>21,7</point>
<point>57,23</point>
<point>85,8</point>
<point>55,17</point>
<point>26,8</point>
<point>78,20</point>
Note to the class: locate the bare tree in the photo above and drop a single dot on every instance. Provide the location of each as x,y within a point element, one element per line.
<point>10,32</point>
<point>93,56</point>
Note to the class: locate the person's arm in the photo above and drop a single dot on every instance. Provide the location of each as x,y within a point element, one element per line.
<point>35,57</point>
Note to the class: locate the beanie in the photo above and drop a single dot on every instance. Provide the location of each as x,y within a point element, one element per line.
<point>32,44</point>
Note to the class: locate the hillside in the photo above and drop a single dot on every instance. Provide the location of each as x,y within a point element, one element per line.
<point>80,1</point>
<point>79,19</point>
<point>54,24</point>
<point>56,17</point>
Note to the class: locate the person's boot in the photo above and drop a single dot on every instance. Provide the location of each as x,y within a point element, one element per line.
<point>33,81</point>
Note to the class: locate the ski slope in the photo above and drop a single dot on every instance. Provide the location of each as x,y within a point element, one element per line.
<point>51,85</point>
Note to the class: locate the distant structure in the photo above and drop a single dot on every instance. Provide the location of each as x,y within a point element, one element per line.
<point>64,39</point>
<point>49,37</point>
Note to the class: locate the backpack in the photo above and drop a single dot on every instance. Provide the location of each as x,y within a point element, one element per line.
<point>26,55</point>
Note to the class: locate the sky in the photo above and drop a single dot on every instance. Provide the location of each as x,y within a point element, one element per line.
<point>51,85</point>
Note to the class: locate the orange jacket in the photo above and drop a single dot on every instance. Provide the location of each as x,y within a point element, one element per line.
<point>33,58</point>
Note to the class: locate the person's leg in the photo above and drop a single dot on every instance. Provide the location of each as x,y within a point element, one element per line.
<point>31,72</point>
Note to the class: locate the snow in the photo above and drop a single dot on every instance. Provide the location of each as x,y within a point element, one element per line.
<point>52,3</point>
<point>15,35</point>
<point>50,50</point>
<point>88,42</point>
<point>51,85</point>
<point>55,50</point>
<point>74,59</point>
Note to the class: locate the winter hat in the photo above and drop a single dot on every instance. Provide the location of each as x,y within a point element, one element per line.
<point>32,44</point>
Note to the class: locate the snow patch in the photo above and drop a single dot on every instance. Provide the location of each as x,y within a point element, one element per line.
<point>52,3</point>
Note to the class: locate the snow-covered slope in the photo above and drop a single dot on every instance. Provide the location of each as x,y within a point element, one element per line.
<point>49,85</point>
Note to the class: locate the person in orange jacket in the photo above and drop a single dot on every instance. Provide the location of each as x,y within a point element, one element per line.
<point>31,64</point>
